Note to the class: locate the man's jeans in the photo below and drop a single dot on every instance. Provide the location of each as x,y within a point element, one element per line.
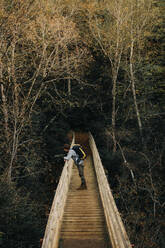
<point>80,167</point>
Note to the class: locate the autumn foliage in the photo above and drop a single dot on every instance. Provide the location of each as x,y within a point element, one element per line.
<point>89,66</point>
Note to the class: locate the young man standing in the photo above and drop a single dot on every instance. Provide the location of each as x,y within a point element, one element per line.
<point>74,153</point>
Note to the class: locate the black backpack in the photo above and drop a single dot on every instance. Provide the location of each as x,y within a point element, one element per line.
<point>78,149</point>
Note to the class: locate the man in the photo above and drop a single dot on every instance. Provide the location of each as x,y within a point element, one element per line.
<point>75,153</point>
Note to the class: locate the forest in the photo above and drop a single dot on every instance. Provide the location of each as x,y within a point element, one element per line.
<point>82,65</point>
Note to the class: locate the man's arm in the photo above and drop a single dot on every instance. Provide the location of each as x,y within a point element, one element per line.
<point>69,155</point>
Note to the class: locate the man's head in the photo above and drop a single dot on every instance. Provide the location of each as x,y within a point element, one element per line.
<point>66,147</point>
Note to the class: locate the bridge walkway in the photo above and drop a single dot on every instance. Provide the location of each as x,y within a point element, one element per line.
<point>83,222</point>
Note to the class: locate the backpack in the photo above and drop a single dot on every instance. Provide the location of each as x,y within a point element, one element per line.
<point>78,149</point>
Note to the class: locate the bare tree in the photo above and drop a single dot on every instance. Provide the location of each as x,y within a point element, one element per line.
<point>107,24</point>
<point>39,47</point>
<point>141,20</point>
<point>119,27</point>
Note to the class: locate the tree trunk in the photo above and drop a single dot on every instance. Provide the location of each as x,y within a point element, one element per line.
<point>69,86</point>
<point>5,113</point>
<point>134,90</point>
<point>114,114</point>
<point>4,107</point>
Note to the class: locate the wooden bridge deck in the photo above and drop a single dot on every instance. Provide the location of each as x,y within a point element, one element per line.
<point>83,220</point>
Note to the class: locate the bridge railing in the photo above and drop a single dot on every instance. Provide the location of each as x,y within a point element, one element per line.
<point>52,231</point>
<point>117,233</point>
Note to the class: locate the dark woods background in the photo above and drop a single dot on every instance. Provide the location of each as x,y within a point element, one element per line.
<point>78,65</point>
